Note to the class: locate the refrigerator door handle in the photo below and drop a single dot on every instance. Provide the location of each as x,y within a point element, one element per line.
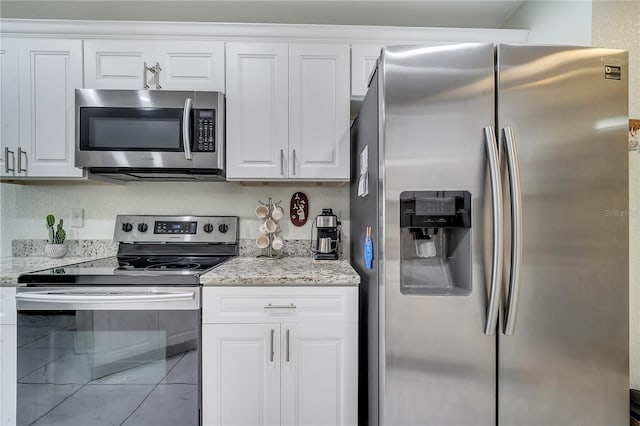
<point>515,190</point>
<point>496,203</point>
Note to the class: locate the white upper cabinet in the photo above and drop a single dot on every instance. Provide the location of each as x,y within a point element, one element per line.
<point>319,111</point>
<point>287,111</point>
<point>363,61</point>
<point>9,105</point>
<point>161,64</point>
<point>257,111</point>
<point>50,71</point>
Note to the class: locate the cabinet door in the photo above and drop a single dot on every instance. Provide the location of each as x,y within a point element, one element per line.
<point>191,65</point>
<point>118,64</point>
<point>319,374</point>
<point>50,71</point>
<point>363,60</point>
<point>240,374</point>
<point>9,103</point>
<point>319,111</point>
<point>8,353</point>
<point>257,110</point>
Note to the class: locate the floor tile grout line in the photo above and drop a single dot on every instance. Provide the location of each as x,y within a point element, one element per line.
<point>57,405</point>
<point>44,365</point>
<point>149,394</point>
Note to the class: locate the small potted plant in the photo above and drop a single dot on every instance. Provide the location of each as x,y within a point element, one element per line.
<point>55,247</point>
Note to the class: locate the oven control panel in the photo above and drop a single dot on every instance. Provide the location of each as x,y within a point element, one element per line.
<point>176,229</point>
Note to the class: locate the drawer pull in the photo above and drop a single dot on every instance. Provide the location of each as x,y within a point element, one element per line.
<point>270,306</point>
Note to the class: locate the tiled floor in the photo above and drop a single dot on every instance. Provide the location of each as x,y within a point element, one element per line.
<point>56,387</point>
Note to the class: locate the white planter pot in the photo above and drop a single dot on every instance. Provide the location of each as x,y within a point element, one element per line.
<point>55,250</point>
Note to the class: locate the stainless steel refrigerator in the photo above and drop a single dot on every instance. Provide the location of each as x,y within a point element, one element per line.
<point>495,182</point>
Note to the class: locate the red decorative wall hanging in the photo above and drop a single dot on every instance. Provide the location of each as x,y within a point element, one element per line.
<point>299,209</point>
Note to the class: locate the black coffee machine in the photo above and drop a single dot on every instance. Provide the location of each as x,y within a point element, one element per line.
<point>326,245</point>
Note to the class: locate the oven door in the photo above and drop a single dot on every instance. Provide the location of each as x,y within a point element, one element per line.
<point>125,356</point>
<point>141,129</point>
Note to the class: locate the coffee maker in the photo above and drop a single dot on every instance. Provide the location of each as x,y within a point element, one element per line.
<point>326,245</point>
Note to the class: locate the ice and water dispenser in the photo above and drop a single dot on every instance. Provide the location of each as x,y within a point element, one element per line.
<point>435,253</point>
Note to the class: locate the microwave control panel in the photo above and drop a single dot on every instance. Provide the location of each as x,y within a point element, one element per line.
<point>204,130</point>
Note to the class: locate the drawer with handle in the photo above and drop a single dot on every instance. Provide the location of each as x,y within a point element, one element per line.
<point>274,304</point>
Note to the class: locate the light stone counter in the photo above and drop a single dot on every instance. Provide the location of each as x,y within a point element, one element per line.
<point>288,271</point>
<point>11,267</point>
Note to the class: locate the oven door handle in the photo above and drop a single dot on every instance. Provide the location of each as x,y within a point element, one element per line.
<point>48,297</point>
<point>186,140</point>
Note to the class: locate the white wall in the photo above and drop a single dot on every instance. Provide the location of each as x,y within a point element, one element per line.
<point>616,24</point>
<point>24,207</point>
<point>554,22</point>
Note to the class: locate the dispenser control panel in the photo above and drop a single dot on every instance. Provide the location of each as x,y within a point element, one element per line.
<point>435,209</point>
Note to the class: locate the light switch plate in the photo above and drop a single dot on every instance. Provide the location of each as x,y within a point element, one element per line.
<point>77,219</point>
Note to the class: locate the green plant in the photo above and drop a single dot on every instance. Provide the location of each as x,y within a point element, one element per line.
<point>57,235</point>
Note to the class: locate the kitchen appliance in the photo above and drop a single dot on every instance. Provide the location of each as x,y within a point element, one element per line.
<point>480,159</point>
<point>150,134</point>
<point>327,238</point>
<point>118,340</point>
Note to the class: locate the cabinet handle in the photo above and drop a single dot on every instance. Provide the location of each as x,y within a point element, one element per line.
<point>157,75</point>
<point>282,162</point>
<point>146,69</point>
<point>271,353</point>
<point>293,165</point>
<point>289,306</point>
<point>287,343</point>
<point>20,152</point>
<point>7,151</point>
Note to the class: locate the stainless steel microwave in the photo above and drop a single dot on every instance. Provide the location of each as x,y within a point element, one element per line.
<point>150,134</point>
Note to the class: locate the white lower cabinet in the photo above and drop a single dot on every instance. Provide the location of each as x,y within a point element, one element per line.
<point>8,351</point>
<point>280,356</point>
<point>241,374</point>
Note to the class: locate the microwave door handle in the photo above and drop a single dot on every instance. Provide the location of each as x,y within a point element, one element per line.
<point>186,140</point>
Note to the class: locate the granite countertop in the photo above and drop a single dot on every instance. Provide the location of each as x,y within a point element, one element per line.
<point>293,271</point>
<point>13,266</point>
<point>241,271</point>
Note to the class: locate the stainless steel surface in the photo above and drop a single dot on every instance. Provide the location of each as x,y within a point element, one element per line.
<point>515,186</point>
<point>20,153</point>
<point>567,362</point>
<point>287,345</point>
<point>437,365</point>
<point>293,162</point>
<point>154,162</point>
<point>325,245</point>
<point>8,169</point>
<point>145,77</point>
<point>107,298</point>
<point>496,229</point>
<point>326,221</point>
<point>282,162</point>
<point>188,103</point>
<point>200,235</point>
<point>271,351</point>
<point>156,71</point>
<point>290,306</point>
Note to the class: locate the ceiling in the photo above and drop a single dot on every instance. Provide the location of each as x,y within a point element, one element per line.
<point>452,13</point>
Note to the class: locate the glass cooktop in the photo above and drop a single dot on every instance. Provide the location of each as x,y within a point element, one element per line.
<point>128,270</point>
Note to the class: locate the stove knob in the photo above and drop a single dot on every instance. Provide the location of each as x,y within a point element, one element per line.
<point>223,228</point>
<point>208,228</point>
<point>142,227</point>
<point>127,227</point>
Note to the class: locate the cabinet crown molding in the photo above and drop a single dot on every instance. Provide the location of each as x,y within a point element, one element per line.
<point>240,31</point>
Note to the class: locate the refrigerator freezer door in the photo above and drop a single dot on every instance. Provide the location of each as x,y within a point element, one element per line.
<point>437,365</point>
<point>567,360</point>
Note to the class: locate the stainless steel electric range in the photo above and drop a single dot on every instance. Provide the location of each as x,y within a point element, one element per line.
<point>118,340</point>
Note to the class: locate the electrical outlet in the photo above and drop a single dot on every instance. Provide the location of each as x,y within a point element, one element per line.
<point>76,215</point>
